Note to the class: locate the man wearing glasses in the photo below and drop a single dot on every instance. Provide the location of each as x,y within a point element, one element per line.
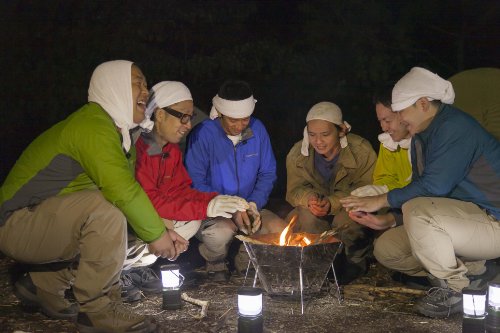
<point>161,173</point>
<point>231,154</point>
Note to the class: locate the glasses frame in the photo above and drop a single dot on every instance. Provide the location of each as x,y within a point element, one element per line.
<point>183,117</point>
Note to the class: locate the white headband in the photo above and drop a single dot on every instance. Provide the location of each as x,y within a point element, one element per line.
<point>418,83</point>
<point>164,94</point>
<point>324,111</point>
<point>110,87</point>
<point>234,109</point>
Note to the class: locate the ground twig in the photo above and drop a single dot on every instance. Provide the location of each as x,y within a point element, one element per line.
<point>203,304</point>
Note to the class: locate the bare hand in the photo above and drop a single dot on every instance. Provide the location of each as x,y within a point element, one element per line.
<point>375,222</point>
<point>318,205</point>
<point>364,204</point>
<point>242,221</point>
<point>181,245</point>
<point>163,247</point>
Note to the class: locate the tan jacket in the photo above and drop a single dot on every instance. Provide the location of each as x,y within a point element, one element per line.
<point>353,169</point>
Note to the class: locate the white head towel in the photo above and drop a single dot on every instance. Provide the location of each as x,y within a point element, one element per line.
<point>417,83</point>
<point>234,109</point>
<point>324,111</point>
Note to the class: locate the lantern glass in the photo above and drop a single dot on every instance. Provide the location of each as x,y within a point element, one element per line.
<point>474,305</point>
<point>171,277</point>
<point>494,295</point>
<point>249,301</point>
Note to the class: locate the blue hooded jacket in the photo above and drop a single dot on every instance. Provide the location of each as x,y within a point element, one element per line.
<point>247,170</point>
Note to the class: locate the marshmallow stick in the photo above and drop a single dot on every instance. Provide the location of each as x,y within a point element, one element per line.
<point>203,304</point>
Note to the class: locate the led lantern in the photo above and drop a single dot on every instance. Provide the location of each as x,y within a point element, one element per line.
<point>474,310</point>
<point>172,280</point>
<point>492,320</point>
<point>250,310</point>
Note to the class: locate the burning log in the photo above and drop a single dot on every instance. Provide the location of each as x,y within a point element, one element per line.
<point>203,304</point>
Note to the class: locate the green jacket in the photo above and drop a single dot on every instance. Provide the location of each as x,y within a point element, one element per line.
<point>393,168</point>
<point>353,169</point>
<point>82,152</point>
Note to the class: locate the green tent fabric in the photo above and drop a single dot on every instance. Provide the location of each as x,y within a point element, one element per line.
<point>477,92</point>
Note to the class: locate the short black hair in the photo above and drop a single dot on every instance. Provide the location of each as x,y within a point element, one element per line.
<point>235,90</point>
<point>383,94</point>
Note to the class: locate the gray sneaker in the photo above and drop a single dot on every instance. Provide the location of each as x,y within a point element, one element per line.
<point>440,303</point>
<point>130,293</point>
<point>33,298</point>
<point>115,317</point>
<point>146,280</point>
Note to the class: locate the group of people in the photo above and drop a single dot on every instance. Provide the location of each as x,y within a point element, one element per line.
<point>107,191</point>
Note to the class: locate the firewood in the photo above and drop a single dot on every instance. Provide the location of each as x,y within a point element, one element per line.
<point>368,288</point>
<point>203,304</point>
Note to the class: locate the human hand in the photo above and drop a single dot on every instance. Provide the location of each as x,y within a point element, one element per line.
<point>181,244</point>
<point>226,205</point>
<point>254,215</point>
<point>375,222</point>
<point>163,247</point>
<point>364,204</point>
<point>370,190</point>
<point>318,205</point>
<point>242,221</point>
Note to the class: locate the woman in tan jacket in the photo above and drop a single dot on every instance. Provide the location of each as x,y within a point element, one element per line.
<point>325,166</point>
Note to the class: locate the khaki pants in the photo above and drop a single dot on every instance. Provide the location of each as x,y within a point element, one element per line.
<point>138,253</point>
<point>444,237</point>
<point>356,238</point>
<point>217,234</point>
<point>80,225</point>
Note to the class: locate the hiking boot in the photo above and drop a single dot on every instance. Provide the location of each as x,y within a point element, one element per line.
<point>130,293</point>
<point>217,271</point>
<point>115,317</point>
<point>33,298</point>
<point>440,303</point>
<point>146,280</point>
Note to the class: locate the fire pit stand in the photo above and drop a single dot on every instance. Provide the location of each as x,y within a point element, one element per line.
<point>293,271</point>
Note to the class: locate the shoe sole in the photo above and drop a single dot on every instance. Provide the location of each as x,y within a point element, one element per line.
<point>442,314</point>
<point>32,304</point>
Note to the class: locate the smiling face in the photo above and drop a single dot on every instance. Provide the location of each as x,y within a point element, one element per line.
<point>169,128</point>
<point>324,137</point>
<point>234,126</point>
<point>418,116</point>
<point>139,94</point>
<point>390,122</point>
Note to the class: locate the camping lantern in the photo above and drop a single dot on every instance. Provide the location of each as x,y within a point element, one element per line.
<point>492,321</point>
<point>474,304</point>
<point>250,310</point>
<point>172,281</point>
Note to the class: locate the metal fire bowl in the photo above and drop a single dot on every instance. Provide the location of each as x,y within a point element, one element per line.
<point>280,269</point>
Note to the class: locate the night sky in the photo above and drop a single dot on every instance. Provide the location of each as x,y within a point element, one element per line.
<point>293,53</point>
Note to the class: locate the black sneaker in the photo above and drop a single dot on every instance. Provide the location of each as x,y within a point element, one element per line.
<point>440,303</point>
<point>130,293</point>
<point>146,280</point>
<point>33,298</point>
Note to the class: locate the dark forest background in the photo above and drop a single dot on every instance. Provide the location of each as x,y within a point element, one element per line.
<point>293,53</point>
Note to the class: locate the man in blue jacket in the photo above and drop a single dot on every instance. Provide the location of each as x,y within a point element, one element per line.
<point>451,208</point>
<point>231,154</point>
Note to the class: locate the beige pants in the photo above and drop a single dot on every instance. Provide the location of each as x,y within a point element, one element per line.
<point>356,238</point>
<point>217,234</point>
<point>444,237</point>
<point>80,225</point>
<point>137,251</point>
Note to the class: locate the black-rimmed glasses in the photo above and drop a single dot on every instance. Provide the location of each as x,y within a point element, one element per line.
<point>184,117</point>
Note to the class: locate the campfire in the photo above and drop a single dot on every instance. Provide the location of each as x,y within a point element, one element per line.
<point>289,264</point>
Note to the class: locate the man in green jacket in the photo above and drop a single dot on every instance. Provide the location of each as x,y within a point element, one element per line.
<point>68,199</point>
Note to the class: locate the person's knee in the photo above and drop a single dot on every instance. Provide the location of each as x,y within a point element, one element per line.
<point>388,250</point>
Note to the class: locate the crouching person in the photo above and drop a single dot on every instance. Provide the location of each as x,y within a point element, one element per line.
<point>69,197</point>
<point>160,171</point>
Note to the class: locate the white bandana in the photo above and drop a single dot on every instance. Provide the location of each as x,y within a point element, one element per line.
<point>234,109</point>
<point>418,83</point>
<point>110,87</point>
<point>387,141</point>
<point>164,94</point>
<point>324,111</point>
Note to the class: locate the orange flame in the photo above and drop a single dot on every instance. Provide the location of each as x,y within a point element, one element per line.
<point>287,232</point>
<point>306,240</point>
